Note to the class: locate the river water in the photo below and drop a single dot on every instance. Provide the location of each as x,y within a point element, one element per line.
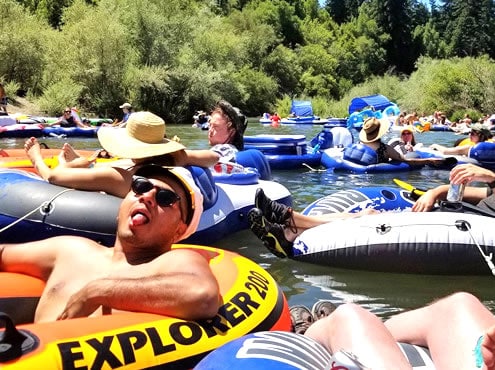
<point>304,283</point>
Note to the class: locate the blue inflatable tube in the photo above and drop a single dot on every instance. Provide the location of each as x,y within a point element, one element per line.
<point>70,131</point>
<point>277,350</point>
<point>484,153</point>
<point>355,200</point>
<point>291,161</point>
<point>359,158</point>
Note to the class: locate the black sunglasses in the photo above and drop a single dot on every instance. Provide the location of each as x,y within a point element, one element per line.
<point>164,197</point>
<point>66,111</point>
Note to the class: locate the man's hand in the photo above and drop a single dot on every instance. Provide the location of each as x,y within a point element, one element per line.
<point>80,304</point>
<point>426,202</point>
<point>466,173</point>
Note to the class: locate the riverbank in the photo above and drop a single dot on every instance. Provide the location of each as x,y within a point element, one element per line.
<point>24,106</point>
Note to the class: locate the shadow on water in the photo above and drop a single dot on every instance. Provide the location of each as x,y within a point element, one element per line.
<point>304,283</point>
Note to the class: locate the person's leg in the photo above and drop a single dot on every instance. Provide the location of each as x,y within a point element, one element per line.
<point>354,329</point>
<point>69,158</point>
<point>449,327</point>
<point>296,222</point>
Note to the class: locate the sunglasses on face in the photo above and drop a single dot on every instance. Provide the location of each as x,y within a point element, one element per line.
<point>164,197</point>
<point>474,133</point>
<point>66,111</point>
<point>407,133</point>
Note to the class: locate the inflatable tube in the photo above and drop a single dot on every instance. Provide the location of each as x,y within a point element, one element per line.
<point>284,151</point>
<point>308,120</point>
<point>484,153</point>
<point>422,126</point>
<point>253,158</point>
<point>437,127</point>
<point>460,159</point>
<point>355,200</point>
<point>336,122</point>
<point>359,158</point>
<point>31,208</point>
<point>21,130</point>
<point>391,111</point>
<point>17,159</point>
<point>252,301</point>
<point>404,242</point>
<point>70,131</point>
<point>277,350</point>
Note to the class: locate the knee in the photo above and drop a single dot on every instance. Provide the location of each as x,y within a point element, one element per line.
<point>461,300</point>
<point>349,313</point>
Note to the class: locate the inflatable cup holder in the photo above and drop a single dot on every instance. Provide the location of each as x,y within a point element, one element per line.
<point>13,342</point>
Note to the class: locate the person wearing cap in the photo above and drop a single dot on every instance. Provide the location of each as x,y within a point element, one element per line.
<point>127,109</point>
<point>141,142</point>
<point>478,134</point>
<point>140,273</point>
<point>226,136</point>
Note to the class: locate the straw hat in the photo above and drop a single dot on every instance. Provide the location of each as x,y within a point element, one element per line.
<point>126,105</point>
<point>194,196</point>
<point>372,130</point>
<point>143,137</point>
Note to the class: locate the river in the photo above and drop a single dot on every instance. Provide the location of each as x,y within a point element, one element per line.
<point>304,283</point>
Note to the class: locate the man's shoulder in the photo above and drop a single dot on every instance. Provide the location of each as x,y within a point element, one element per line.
<point>68,241</point>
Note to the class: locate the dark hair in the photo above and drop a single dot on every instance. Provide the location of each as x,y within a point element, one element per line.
<point>238,120</point>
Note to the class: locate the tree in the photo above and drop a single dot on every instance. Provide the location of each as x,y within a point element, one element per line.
<point>343,11</point>
<point>470,27</point>
<point>394,18</point>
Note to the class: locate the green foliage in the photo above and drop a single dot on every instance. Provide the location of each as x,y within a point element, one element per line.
<point>11,89</point>
<point>61,94</point>
<point>451,85</point>
<point>22,45</point>
<point>258,54</point>
<point>258,91</point>
<point>283,65</point>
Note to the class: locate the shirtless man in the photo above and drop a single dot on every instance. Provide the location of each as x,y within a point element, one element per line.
<point>141,272</point>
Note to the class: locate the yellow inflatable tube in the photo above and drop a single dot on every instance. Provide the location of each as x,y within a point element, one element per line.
<point>252,301</point>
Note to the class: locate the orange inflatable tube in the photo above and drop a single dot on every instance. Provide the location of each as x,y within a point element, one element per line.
<point>252,301</point>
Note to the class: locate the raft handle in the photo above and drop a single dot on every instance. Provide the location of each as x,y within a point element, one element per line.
<point>15,343</point>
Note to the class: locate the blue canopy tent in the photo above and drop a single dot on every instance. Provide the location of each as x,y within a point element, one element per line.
<point>302,108</point>
<point>378,102</point>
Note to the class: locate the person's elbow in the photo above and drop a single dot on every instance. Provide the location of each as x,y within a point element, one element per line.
<point>206,302</point>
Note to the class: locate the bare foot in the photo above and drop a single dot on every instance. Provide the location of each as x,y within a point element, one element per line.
<point>68,154</point>
<point>69,158</point>
<point>33,149</point>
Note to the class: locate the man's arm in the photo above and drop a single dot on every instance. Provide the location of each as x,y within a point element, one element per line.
<point>181,284</point>
<point>34,258</point>
<point>196,157</point>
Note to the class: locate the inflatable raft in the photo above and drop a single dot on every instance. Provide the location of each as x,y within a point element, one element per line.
<point>251,301</point>
<point>31,208</point>
<point>17,159</point>
<point>455,240</point>
<point>481,154</point>
<point>359,158</point>
<point>287,152</point>
<point>277,350</point>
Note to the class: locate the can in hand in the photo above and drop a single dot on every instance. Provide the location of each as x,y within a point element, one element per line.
<point>456,192</point>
